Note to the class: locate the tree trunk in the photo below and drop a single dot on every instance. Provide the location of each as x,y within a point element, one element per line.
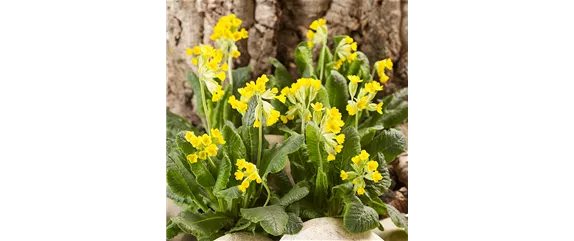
<point>275,28</point>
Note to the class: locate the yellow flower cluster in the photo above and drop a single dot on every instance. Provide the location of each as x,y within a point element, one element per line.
<point>210,66</point>
<point>365,97</point>
<point>317,33</point>
<point>300,96</point>
<point>205,145</point>
<point>228,27</point>
<point>363,169</point>
<point>264,108</point>
<point>381,66</point>
<point>247,172</point>
<point>330,126</point>
<point>345,51</point>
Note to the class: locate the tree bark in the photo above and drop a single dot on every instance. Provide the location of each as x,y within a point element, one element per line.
<point>275,28</point>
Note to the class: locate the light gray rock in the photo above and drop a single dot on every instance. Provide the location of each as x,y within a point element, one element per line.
<point>243,236</point>
<point>171,209</point>
<point>328,229</point>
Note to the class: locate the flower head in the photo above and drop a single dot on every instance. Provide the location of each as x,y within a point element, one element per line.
<point>205,145</point>
<point>345,51</point>
<point>363,169</point>
<point>317,33</point>
<point>381,66</point>
<point>248,172</point>
<point>210,68</point>
<point>263,109</point>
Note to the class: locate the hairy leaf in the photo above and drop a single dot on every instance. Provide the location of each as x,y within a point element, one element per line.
<point>234,145</point>
<point>351,147</point>
<point>398,218</point>
<point>224,171</point>
<point>294,224</point>
<point>304,60</point>
<point>338,91</point>
<point>357,217</point>
<point>390,143</point>
<point>194,82</point>
<point>201,225</point>
<point>240,77</point>
<point>274,159</point>
<point>271,218</point>
<point>366,134</point>
<point>282,76</point>
<point>294,195</point>
<point>172,230</point>
<point>202,174</point>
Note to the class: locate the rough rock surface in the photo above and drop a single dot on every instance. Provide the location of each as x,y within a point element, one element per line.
<point>328,229</point>
<point>275,28</point>
<point>392,232</point>
<point>242,236</point>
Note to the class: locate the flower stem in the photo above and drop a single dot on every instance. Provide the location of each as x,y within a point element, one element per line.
<point>205,109</point>
<point>211,162</point>
<point>323,58</point>
<point>259,143</point>
<point>357,120</point>
<point>268,193</point>
<point>229,68</point>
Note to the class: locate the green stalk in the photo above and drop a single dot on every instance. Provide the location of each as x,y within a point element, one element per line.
<point>323,58</point>
<point>268,193</point>
<point>211,162</point>
<point>205,109</point>
<point>357,120</point>
<point>229,64</point>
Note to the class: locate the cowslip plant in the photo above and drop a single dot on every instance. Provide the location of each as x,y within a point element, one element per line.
<point>343,162</point>
<point>217,175</point>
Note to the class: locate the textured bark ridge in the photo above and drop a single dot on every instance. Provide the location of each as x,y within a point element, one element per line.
<point>275,27</point>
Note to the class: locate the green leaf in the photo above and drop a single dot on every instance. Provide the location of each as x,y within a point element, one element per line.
<point>274,159</point>
<point>217,112</point>
<point>294,224</point>
<point>282,76</point>
<point>271,218</point>
<point>359,66</point>
<point>357,217</point>
<point>351,147</point>
<point>336,86</point>
<point>398,218</point>
<point>240,77</point>
<point>381,186</point>
<point>323,97</point>
<point>248,133</point>
<point>229,194</point>
<point>390,143</point>
<point>396,116</point>
<point>342,190</point>
<point>202,174</point>
<point>175,124</point>
<point>224,171</point>
<point>234,145</point>
<point>313,141</point>
<point>338,38</point>
<point>194,82</point>
<point>367,134</point>
<point>294,195</point>
<point>241,224</point>
<point>201,225</point>
<point>177,184</point>
<point>304,60</point>
<point>183,144</point>
<point>172,230</point>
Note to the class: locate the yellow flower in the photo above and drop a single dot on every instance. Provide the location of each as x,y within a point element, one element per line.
<point>361,191</point>
<point>238,175</point>
<point>256,124</point>
<point>310,35</point>
<point>344,175</point>
<point>241,163</point>
<point>236,104</point>
<point>224,67</point>
<point>216,136</point>
<point>235,54</point>
<point>380,108</point>
<point>284,119</point>
<point>189,136</point>
<point>194,61</point>
<point>356,159</point>
<point>318,106</point>
<point>381,66</point>
<point>338,148</point>
<point>188,51</point>
<point>308,118</point>
<point>211,150</point>
<point>202,155</point>
<point>196,50</point>
<point>192,158</point>
<point>281,98</point>
<point>249,167</point>
<point>372,165</point>
<point>340,138</point>
<point>206,140</point>
<point>364,155</point>
<point>273,118</point>
<point>373,87</point>
<point>309,44</point>
<point>220,75</point>
<point>216,96</point>
<point>354,46</point>
<point>244,185</point>
<point>376,176</point>
<point>352,57</point>
<point>317,23</point>
<point>362,103</point>
<point>348,39</point>
<point>354,79</point>
<point>330,157</point>
<point>352,110</point>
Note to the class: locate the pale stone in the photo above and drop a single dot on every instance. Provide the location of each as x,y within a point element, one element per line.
<point>171,209</point>
<point>328,229</point>
<point>243,236</point>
